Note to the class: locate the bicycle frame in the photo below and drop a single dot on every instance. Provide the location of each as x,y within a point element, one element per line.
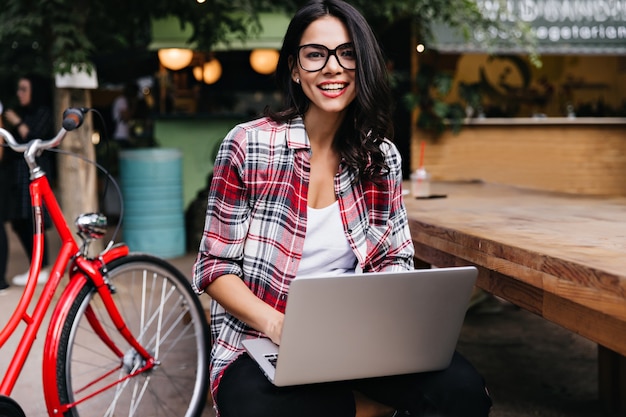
<point>80,267</point>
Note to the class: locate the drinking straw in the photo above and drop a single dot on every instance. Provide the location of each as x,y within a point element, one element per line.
<point>422,145</point>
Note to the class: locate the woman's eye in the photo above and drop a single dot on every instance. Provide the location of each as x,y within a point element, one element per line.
<point>316,54</point>
<point>347,53</point>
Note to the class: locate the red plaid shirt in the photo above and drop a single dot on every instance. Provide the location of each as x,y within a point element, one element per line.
<point>256,222</point>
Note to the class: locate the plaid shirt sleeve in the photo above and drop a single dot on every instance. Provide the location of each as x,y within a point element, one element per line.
<point>254,225</point>
<point>221,248</point>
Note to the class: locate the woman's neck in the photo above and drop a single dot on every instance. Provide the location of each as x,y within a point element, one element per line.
<point>322,127</point>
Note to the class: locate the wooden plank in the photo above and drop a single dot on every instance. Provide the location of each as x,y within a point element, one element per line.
<point>589,231</point>
<point>484,225</point>
<point>603,329</point>
<point>521,294</point>
<point>511,289</point>
<point>479,251</point>
<point>569,280</point>
<point>559,256</point>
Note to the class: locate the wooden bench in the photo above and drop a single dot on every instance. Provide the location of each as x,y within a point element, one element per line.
<point>560,256</point>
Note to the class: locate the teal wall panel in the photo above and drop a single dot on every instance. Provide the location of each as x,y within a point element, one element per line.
<point>196,139</point>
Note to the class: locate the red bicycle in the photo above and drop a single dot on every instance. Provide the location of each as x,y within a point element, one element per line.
<point>127,337</point>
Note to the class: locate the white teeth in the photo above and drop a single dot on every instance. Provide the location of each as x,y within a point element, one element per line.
<point>335,86</point>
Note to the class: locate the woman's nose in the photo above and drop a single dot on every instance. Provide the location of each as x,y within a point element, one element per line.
<point>332,65</point>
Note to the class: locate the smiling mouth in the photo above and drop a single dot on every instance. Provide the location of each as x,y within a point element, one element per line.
<point>333,87</point>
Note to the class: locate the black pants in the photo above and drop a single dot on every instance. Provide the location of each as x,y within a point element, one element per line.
<point>4,255</point>
<point>457,391</point>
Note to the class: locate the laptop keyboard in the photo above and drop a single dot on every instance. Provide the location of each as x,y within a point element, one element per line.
<point>272,358</point>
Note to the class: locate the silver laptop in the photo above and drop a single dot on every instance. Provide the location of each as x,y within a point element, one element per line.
<point>367,325</point>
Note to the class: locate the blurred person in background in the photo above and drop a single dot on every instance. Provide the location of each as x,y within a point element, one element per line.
<point>122,112</point>
<point>31,119</point>
<point>4,243</point>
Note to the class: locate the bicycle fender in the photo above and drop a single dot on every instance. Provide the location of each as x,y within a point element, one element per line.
<point>59,315</point>
<point>114,253</point>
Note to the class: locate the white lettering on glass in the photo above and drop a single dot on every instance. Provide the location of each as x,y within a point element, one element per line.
<point>556,20</point>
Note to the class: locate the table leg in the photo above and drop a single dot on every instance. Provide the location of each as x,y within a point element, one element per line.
<point>612,381</point>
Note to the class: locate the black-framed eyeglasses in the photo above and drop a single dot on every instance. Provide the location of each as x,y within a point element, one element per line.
<point>313,57</point>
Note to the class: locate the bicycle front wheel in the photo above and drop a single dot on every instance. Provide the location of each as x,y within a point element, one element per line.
<point>162,312</point>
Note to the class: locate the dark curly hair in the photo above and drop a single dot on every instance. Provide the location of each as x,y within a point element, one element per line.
<point>368,120</point>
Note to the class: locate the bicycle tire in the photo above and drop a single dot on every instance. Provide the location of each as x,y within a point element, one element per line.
<point>178,386</point>
<point>10,408</point>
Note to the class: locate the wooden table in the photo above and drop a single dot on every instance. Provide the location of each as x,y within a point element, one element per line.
<point>560,256</point>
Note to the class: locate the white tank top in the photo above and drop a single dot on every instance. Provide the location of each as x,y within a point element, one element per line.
<point>326,249</point>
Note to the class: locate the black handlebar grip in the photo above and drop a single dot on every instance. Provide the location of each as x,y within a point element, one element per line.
<point>73,118</point>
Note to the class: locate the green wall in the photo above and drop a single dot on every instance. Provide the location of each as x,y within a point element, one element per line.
<point>196,139</point>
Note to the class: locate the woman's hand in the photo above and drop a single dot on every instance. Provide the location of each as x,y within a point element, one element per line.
<point>274,326</point>
<point>235,296</point>
<point>12,117</point>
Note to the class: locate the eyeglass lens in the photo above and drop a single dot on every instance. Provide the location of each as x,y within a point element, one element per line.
<point>313,57</point>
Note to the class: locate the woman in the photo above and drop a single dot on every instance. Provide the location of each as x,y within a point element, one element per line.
<point>31,120</point>
<point>324,160</point>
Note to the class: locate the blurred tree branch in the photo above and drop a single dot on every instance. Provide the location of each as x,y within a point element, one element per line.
<point>48,36</point>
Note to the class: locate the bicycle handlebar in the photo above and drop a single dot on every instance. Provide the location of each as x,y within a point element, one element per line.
<point>72,119</point>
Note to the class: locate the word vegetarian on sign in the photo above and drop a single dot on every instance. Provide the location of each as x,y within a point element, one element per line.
<point>573,26</point>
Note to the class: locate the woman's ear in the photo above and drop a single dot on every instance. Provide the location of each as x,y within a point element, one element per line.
<point>295,74</point>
